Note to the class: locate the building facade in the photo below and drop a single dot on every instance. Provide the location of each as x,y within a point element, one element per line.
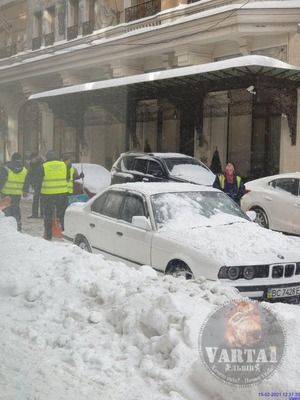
<point>251,115</point>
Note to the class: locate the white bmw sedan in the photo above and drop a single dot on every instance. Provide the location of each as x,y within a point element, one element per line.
<point>276,201</point>
<point>189,230</point>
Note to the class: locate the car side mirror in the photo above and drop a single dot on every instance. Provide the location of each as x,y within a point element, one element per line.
<point>142,222</point>
<point>251,214</point>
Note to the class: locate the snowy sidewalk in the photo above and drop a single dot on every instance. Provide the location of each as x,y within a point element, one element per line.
<point>32,226</point>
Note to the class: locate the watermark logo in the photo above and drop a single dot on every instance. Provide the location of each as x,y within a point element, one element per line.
<point>242,343</point>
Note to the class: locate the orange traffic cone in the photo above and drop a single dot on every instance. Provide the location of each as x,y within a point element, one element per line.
<point>56,227</point>
<point>5,202</point>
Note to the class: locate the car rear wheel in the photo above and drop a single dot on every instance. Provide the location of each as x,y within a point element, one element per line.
<point>261,217</point>
<point>82,242</point>
<point>179,268</point>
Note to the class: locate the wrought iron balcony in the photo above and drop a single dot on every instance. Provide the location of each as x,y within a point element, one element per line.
<point>8,51</point>
<point>49,39</point>
<point>36,43</point>
<point>142,10</point>
<point>88,28</point>
<point>72,32</point>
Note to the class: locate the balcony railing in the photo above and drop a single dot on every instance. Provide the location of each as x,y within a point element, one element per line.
<point>142,10</point>
<point>151,10</point>
<point>8,51</point>
<point>49,39</point>
<point>88,28</point>
<point>72,32</point>
<point>36,43</point>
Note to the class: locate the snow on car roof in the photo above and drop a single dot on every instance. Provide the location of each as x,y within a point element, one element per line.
<point>164,187</point>
<point>155,154</point>
<point>171,155</point>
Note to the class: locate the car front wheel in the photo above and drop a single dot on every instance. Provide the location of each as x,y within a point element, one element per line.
<point>261,217</point>
<point>179,268</point>
<point>82,242</point>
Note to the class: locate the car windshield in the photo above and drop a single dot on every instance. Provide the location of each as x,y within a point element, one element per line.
<point>193,209</point>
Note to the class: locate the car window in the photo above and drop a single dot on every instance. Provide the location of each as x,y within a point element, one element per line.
<point>98,203</point>
<point>126,162</point>
<point>289,185</point>
<point>140,165</point>
<point>133,206</point>
<point>108,204</point>
<point>297,187</point>
<point>155,169</point>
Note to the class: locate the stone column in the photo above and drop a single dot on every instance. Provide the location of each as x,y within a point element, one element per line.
<point>46,129</point>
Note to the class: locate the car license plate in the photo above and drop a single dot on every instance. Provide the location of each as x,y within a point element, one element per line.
<point>273,293</point>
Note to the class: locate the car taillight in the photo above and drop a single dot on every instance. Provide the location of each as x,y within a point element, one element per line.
<point>247,191</point>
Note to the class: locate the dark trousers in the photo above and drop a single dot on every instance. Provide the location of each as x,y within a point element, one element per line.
<point>37,204</point>
<point>54,205</point>
<point>14,210</point>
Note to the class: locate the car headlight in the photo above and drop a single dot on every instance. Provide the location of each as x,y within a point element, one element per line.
<point>233,273</point>
<point>246,271</point>
<point>249,272</point>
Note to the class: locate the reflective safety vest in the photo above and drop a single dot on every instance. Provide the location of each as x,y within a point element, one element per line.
<point>55,178</point>
<point>71,181</point>
<point>222,181</point>
<point>14,183</point>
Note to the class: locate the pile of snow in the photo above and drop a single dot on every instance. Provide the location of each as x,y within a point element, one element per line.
<point>74,326</point>
<point>96,178</point>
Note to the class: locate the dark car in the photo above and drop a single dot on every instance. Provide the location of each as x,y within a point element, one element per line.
<point>160,167</point>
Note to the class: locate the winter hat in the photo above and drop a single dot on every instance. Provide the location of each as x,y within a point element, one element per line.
<point>16,156</point>
<point>51,155</point>
<point>66,156</point>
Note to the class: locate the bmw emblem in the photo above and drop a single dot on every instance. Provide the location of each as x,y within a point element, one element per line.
<point>280,256</point>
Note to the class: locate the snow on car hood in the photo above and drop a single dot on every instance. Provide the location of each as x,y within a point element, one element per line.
<point>238,243</point>
<point>193,173</point>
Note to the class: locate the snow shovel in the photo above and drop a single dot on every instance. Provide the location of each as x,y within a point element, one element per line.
<point>56,227</point>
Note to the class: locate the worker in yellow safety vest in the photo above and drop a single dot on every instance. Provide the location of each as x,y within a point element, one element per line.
<point>54,190</point>
<point>72,173</point>
<point>230,183</point>
<point>12,178</point>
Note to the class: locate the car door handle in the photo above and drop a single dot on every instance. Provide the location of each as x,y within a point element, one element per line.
<point>119,233</point>
<point>92,225</point>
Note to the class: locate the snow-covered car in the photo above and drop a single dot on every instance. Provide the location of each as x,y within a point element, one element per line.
<point>187,230</point>
<point>96,178</point>
<point>276,201</point>
<point>160,167</point>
